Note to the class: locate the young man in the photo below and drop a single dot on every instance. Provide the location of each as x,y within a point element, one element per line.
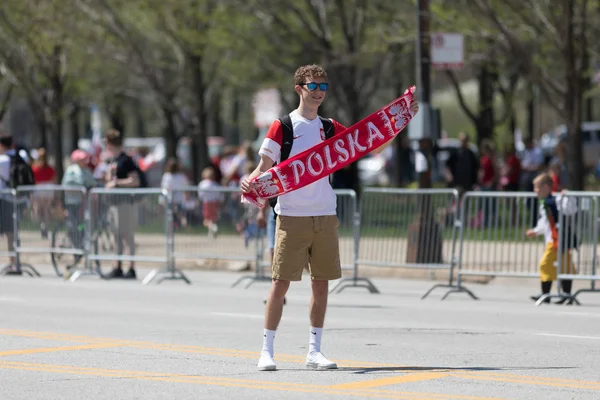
<point>306,227</point>
<point>122,172</point>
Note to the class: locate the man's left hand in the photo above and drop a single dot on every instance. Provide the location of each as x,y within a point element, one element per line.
<point>111,184</point>
<point>414,108</point>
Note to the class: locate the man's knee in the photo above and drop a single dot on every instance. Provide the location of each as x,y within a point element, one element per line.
<point>280,287</point>
<point>320,288</point>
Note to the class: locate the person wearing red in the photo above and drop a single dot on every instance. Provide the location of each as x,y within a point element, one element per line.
<point>511,177</point>
<point>512,173</point>
<point>487,180</point>
<point>43,174</point>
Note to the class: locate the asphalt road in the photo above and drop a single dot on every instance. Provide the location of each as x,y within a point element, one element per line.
<point>121,340</point>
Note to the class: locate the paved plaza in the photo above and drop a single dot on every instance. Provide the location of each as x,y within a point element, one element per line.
<point>96,339</point>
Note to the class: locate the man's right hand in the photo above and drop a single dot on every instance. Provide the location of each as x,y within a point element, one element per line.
<point>245,186</point>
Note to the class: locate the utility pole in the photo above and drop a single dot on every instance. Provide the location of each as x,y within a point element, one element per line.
<point>424,233</point>
<point>424,76</point>
<point>423,51</point>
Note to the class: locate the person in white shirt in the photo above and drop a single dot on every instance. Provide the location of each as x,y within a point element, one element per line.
<point>211,199</point>
<point>307,224</point>
<point>174,180</point>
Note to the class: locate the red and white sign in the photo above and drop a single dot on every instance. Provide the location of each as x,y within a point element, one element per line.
<point>447,50</point>
<point>267,107</point>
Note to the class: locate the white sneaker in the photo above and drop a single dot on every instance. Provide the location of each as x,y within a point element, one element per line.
<point>319,361</point>
<point>266,362</point>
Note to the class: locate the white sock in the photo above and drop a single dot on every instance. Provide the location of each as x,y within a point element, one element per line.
<point>314,342</point>
<point>268,339</point>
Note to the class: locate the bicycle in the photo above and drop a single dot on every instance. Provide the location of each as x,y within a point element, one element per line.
<point>73,238</point>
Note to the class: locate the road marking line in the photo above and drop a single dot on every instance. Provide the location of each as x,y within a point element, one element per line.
<point>182,348</point>
<point>55,349</point>
<point>394,380</point>
<point>530,380</point>
<point>228,382</point>
<point>246,354</point>
<point>569,336</point>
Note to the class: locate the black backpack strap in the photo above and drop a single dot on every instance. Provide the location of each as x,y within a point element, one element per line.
<point>287,140</point>
<point>287,130</point>
<point>328,127</point>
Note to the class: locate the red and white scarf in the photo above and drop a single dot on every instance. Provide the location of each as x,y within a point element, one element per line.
<point>334,153</point>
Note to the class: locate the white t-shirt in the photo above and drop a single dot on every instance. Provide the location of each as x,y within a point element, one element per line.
<point>173,182</point>
<point>4,171</point>
<point>533,158</point>
<point>420,162</point>
<point>318,198</point>
<point>206,195</point>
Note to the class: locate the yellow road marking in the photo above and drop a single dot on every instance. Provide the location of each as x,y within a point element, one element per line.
<point>228,382</point>
<point>246,354</point>
<point>55,349</point>
<point>393,380</point>
<point>181,348</point>
<point>530,380</point>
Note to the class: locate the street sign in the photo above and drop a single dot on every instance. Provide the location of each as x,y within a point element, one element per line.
<point>267,107</point>
<point>447,50</point>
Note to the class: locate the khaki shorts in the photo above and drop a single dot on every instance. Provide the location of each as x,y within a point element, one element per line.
<point>123,219</point>
<point>307,241</point>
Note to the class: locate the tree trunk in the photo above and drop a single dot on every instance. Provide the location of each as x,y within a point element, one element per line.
<point>57,128</point>
<point>170,133</point>
<point>140,126</point>
<point>530,132</point>
<point>485,118</point>
<point>216,116</point>
<point>234,130</point>
<point>573,100</point>
<point>199,157</point>
<point>74,123</point>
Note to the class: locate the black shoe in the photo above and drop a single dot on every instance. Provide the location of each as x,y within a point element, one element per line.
<point>568,300</point>
<point>13,272</point>
<point>130,274</point>
<point>115,273</point>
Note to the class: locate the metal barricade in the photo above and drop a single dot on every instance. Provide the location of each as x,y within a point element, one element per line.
<point>129,226</point>
<point>577,254</point>
<point>212,227</point>
<point>409,229</point>
<point>52,226</point>
<point>492,240</point>
<point>10,210</point>
<point>349,235</point>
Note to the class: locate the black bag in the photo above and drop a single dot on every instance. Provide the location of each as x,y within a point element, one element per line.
<point>287,130</point>
<point>21,173</point>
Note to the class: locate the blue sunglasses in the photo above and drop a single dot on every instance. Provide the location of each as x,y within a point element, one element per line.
<point>312,86</point>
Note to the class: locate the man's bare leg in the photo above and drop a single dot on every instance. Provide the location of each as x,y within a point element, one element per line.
<point>274,310</point>
<point>318,307</point>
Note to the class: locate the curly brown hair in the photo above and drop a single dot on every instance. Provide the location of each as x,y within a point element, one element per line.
<point>306,72</point>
